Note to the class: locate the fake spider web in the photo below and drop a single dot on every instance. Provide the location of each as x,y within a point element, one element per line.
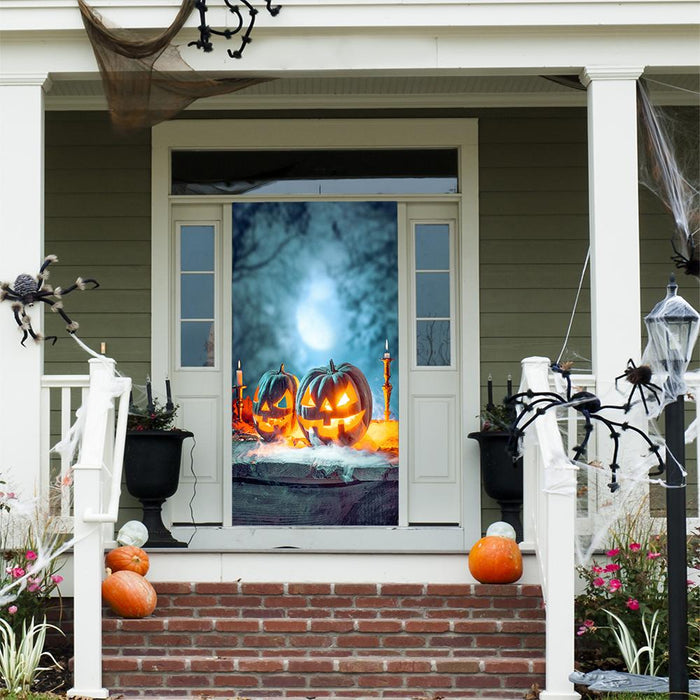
<point>669,166</point>
<point>599,507</point>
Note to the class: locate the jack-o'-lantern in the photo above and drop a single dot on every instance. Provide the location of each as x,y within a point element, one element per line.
<point>334,404</point>
<point>273,404</point>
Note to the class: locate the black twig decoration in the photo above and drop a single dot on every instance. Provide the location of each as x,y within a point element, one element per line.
<point>206,32</point>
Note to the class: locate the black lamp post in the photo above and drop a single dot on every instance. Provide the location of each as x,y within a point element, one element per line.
<point>672,326</point>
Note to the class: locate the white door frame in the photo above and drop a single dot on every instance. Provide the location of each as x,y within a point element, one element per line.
<point>338,134</point>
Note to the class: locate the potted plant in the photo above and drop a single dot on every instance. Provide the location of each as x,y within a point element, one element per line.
<point>501,474</point>
<point>152,456</point>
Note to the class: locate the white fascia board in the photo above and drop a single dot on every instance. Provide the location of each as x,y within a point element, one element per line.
<point>62,15</point>
<point>504,51</point>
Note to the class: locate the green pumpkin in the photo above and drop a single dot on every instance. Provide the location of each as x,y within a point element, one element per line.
<point>273,404</point>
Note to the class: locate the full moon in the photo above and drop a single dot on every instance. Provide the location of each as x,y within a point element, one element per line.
<point>314,328</point>
<point>314,315</point>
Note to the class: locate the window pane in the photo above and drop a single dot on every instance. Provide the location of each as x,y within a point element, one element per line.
<point>197,248</point>
<point>197,296</point>
<point>356,171</point>
<point>433,343</point>
<point>433,295</point>
<point>197,343</point>
<point>432,246</point>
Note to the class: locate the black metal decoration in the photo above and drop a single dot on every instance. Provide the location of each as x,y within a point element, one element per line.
<point>27,290</point>
<point>206,32</point>
<point>536,403</point>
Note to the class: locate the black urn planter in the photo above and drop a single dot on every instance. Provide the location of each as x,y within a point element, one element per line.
<point>152,470</point>
<point>501,476</point>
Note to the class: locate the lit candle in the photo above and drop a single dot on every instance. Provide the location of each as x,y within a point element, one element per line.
<point>149,394</point>
<point>239,375</point>
<point>510,385</point>
<point>387,355</point>
<point>169,399</point>
<point>489,387</point>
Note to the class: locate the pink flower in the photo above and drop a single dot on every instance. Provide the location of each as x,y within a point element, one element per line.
<point>653,555</point>
<point>12,609</point>
<point>587,626</point>
<point>635,546</point>
<point>597,569</point>
<point>612,567</point>
<point>56,578</point>
<point>34,585</point>
<point>598,582</point>
<point>612,552</point>
<point>31,555</point>
<point>633,604</point>
<point>17,572</point>
<point>614,584</point>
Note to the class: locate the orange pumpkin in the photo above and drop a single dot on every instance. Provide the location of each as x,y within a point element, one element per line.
<point>127,558</point>
<point>496,559</point>
<point>128,594</point>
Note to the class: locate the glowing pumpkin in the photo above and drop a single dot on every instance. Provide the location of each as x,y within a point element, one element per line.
<point>334,404</point>
<point>129,594</point>
<point>127,558</point>
<point>496,559</point>
<point>273,404</point>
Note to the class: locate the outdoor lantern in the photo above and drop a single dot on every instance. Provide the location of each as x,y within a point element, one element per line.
<point>672,326</point>
<point>673,330</point>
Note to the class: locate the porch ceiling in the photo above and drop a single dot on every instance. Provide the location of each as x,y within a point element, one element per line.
<point>69,93</point>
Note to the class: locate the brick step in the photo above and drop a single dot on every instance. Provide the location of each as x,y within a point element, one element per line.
<point>194,636</point>
<point>328,676</point>
<point>330,640</point>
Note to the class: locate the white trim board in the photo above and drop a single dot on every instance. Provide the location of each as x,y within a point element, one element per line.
<point>331,133</point>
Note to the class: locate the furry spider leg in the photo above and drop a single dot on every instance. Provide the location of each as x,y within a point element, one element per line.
<point>25,325</point>
<point>43,275</point>
<point>57,307</point>
<point>78,284</point>
<point>691,266</point>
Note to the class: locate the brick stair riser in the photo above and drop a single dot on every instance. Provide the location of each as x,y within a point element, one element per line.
<point>330,640</point>
<point>322,677</point>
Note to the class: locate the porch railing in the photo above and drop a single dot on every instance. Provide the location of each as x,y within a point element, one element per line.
<point>98,429</point>
<point>550,488</point>
<point>61,396</point>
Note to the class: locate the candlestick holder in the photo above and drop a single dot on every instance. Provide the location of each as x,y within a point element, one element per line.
<point>238,401</point>
<point>386,387</point>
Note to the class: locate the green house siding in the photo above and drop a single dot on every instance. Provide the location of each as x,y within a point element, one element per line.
<point>533,239</point>
<point>98,222</point>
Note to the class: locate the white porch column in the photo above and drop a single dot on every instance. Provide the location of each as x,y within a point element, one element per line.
<point>22,246</point>
<point>614,219</point>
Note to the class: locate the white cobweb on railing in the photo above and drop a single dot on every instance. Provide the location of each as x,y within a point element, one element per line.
<point>30,519</point>
<point>638,464</point>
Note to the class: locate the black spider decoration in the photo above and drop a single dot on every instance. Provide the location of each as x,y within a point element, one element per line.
<point>28,289</point>
<point>640,378</point>
<point>206,32</point>
<point>589,406</point>
<point>689,264</point>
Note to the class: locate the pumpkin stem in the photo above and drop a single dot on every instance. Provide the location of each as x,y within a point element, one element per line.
<point>282,368</point>
<point>332,366</point>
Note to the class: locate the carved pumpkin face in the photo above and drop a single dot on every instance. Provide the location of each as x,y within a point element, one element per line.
<point>273,404</point>
<point>334,404</point>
